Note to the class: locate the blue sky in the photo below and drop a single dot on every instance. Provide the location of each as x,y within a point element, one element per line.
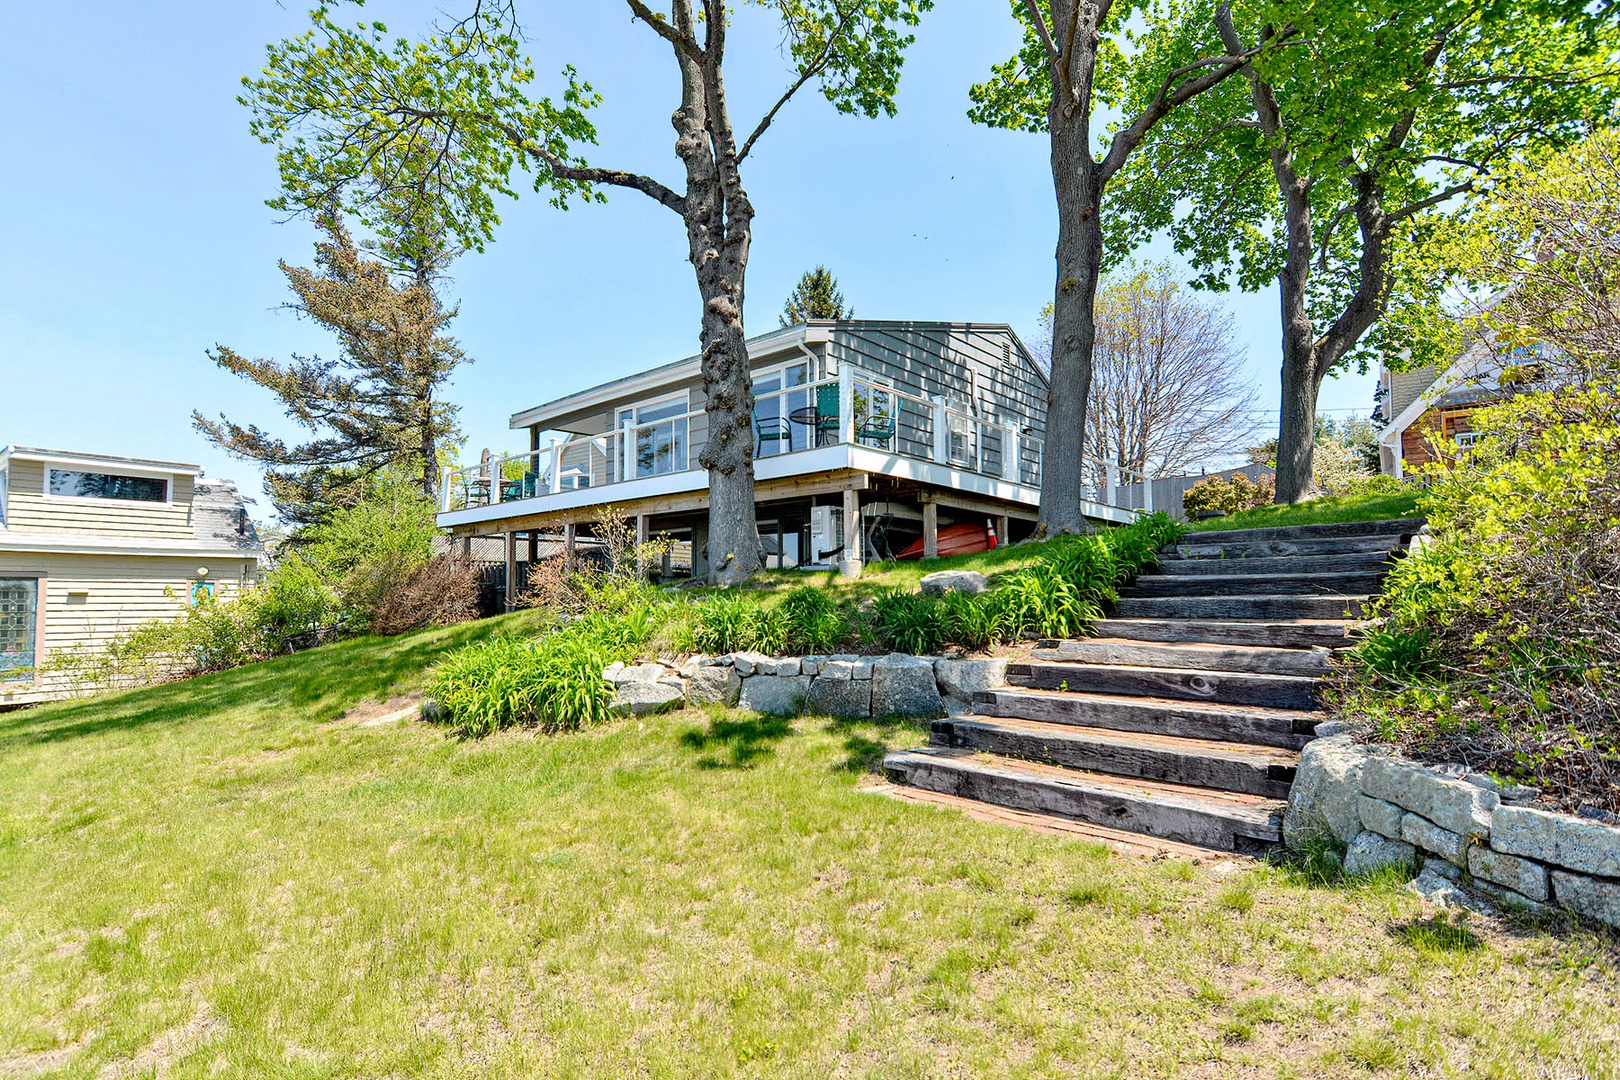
<point>135,233</point>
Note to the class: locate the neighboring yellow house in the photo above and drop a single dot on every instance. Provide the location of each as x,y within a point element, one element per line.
<point>92,545</point>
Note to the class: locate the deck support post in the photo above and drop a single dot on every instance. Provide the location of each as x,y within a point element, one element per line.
<point>642,536</point>
<point>1002,527</point>
<point>1147,491</point>
<point>510,599</point>
<point>570,532</point>
<point>930,512</point>
<point>854,533</point>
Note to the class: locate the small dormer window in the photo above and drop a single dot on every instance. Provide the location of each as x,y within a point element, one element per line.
<point>77,484</point>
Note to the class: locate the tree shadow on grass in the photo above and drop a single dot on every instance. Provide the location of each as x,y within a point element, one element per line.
<point>865,748</point>
<point>736,741</point>
<point>1437,935</point>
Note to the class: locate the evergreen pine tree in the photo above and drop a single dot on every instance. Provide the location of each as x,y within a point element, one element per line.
<point>379,404</point>
<point>815,297</point>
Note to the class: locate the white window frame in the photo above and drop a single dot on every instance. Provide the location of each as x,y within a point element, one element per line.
<point>683,397</point>
<point>52,468</point>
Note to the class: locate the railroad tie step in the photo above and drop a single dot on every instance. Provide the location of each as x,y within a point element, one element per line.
<point>1227,608</point>
<point>1289,729</point>
<point>1276,633</point>
<point>1184,684</point>
<point>1365,562</point>
<point>1193,547</point>
<point>1332,584</point>
<point>1337,530</point>
<point>1201,763</point>
<point>1253,659</point>
<point>1222,821</point>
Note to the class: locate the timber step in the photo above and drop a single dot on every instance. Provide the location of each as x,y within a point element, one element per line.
<point>1223,821</point>
<point>1278,633</point>
<point>1267,608</point>
<point>1204,763</point>
<point>1364,562</point>
<point>1218,687</point>
<point>1281,584</point>
<point>1331,530</point>
<point>1289,729</point>
<point>1257,660</point>
<point>1192,546</point>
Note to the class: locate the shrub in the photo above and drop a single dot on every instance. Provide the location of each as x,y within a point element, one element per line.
<point>1039,598</point>
<point>440,592</point>
<point>553,681</point>
<point>976,622</point>
<point>723,624</point>
<point>813,621</point>
<point>372,547</point>
<point>1499,644</point>
<point>1215,494</point>
<point>907,622</point>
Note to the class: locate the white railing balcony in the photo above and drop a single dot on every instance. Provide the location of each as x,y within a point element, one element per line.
<point>854,409</point>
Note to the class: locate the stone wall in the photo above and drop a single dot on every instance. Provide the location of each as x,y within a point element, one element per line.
<point>1463,825</point>
<point>845,686</point>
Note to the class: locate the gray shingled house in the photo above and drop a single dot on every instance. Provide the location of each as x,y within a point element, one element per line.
<point>871,436</point>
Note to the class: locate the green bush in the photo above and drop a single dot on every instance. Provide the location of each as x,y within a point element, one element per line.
<point>553,681</point>
<point>723,624</point>
<point>1215,494</point>
<point>813,621</point>
<point>366,550</point>
<point>1040,599</point>
<point>976,622</point>
<point>908,622</point>
<point>1497,644</point>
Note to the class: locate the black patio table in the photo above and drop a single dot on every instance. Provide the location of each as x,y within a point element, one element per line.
<point>810,417</point>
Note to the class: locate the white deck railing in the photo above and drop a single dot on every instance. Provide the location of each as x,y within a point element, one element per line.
<point>868,413</point>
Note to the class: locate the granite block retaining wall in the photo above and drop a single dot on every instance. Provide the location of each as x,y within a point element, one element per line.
<point>839,685</point>
<point>1390,810</point>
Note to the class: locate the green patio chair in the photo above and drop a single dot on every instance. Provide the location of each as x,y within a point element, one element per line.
<point>878,430</point>
<point>826,414</point>
<point>771,429</point>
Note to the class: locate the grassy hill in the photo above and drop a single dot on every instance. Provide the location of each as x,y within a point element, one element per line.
<point>230,877</point>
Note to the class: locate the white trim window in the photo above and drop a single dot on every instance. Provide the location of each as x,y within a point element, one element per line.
<point>19,625</point>
<point>118,487</point>
<point>5,475</point>
<point>660,435</point>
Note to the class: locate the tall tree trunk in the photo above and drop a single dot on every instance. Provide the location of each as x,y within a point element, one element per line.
<point>1078,183</point>
<point>1302,370</point>
<point>719,229</point>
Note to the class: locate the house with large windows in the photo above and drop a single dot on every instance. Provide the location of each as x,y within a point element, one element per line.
<point>92,545</point>
<point>872,439</point>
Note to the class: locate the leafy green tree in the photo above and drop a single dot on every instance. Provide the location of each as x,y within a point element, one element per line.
<point>816,296</point>
<point>368,547</point>
<point>1540,264</point>
<point>337,100</point>
<point>1327,166</point>
<point>1073,63</point>
<point>380,403</point>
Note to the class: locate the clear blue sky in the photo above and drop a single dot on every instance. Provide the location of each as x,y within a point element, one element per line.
<point>135,235</point>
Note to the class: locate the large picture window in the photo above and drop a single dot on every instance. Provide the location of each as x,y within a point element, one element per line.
<point>96,485</point>
<point>19,615</point>
<point>660,436</point>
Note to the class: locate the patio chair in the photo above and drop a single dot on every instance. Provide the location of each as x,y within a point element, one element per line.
<point>772,429</point>
<point>878,430</point>
<point>826,414</point>
<point>531,484</point>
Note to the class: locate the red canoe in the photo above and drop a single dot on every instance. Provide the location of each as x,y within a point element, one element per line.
<point>957,540</point>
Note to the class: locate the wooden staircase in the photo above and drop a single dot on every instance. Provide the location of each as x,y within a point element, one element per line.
<point>1183,719</point>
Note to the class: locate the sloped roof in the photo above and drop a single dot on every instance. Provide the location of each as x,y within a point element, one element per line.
<point>220,520</point>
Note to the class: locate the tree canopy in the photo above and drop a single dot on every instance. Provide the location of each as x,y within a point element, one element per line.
<point>1331,164</point>
<point>339,103</point>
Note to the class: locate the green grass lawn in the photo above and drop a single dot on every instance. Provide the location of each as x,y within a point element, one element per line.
<point>1318,512</point>
<point>224,878</point>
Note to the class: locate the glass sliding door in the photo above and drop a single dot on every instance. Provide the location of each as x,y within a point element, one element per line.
<point>778,394</point>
